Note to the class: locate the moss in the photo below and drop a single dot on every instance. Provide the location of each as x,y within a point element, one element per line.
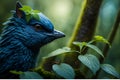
<point>47,74</point>
<point>75,32</point>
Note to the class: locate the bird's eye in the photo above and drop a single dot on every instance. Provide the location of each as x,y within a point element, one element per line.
<point>38,27</point>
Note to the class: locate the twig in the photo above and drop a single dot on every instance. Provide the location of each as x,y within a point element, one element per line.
<point>110,39</point>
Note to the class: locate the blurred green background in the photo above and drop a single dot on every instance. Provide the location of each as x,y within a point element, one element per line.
<point>64,14</point>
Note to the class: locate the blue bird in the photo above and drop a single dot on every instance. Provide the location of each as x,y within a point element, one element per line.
<point>21,40</point>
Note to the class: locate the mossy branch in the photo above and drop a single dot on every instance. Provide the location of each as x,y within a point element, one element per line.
<point>47,64</point>
<point>84,28</point>
<point>84,31</point>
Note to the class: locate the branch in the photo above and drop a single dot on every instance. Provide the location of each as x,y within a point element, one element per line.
<point>84,28</point>
<point>110,39</point>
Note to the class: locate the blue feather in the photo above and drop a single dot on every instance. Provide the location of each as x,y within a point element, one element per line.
<point>20,42</point>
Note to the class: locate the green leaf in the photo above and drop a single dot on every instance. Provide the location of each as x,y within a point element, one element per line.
<point>80,44</point>
<point>64,70</point>
<point>30,75</point>
<point>58,52</point>
<point>35,16</point>
<point>16,72</point>
<point>100,39</point>
<point>30,13</point>
<point>36,11</point>
<point>28,17</point>
<point>26,8</point>
<point>90,61</point>
<point>95,49</point>
<point>110,70</point>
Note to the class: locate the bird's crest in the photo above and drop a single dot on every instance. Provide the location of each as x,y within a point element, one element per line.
<point>18,11</point>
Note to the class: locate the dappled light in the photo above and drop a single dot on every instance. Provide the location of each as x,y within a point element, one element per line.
<point>60,39</point>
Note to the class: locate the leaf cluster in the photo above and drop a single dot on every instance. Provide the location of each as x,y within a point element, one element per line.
<point>89,60</point>
<point>30,13</point>
<point>66,71</point>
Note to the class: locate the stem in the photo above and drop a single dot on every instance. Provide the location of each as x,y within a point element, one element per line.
<point>110,39</point>
<point>112,36</point>
<point>84,29</point>
<point>47,64</point>
<point>78,23</point>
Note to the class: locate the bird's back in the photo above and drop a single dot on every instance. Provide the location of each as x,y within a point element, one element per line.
<point>14,55</point>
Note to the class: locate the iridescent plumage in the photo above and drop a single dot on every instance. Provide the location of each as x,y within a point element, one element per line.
<point>21,40</point>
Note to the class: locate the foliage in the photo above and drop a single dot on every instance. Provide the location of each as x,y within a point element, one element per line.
<point>89,60</point>
<point>110,70</point>
<point>27,75</point>
<point>58,52</point>
<point>64,70</point>
<point>30,75</point>
<point>30,13</point>
<point>104,67</point>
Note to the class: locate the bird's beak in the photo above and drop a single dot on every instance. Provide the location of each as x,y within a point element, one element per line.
<point>58,34</point>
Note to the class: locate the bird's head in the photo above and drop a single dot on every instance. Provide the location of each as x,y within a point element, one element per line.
<point>35,28</point>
